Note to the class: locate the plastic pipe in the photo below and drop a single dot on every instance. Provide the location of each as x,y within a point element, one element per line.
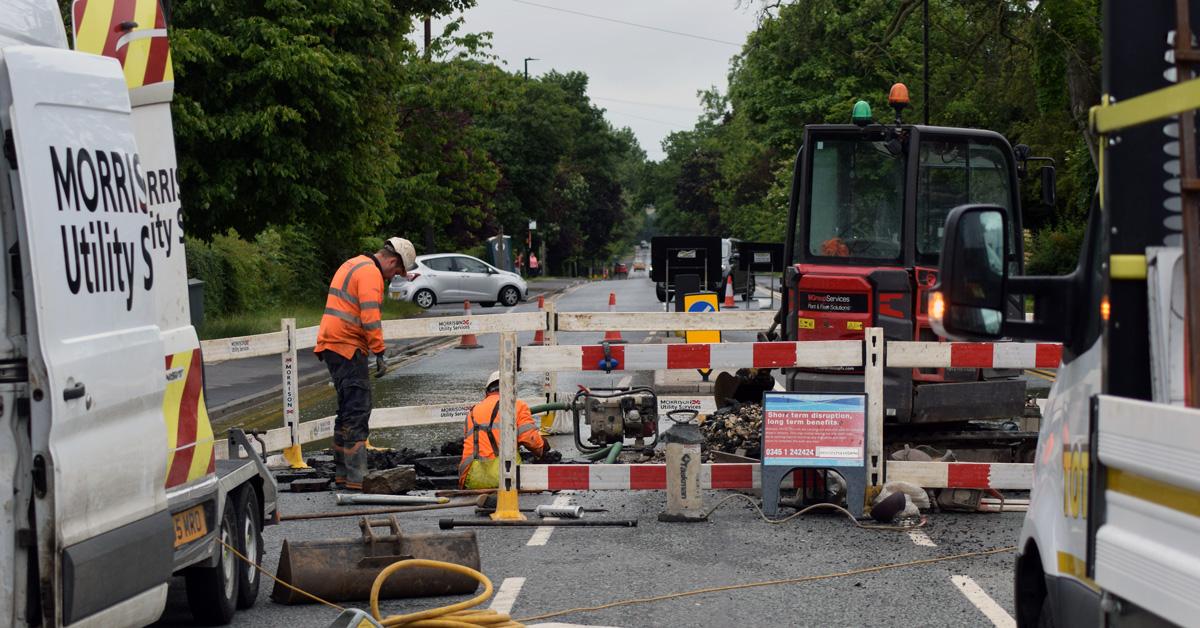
<point>613,452</point>
<point>596,455</point>
<point>542,408</point>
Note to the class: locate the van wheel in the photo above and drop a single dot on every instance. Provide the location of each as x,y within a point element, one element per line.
<point>1046,616</point>
<point>250,545</point>
<point>212,591</point>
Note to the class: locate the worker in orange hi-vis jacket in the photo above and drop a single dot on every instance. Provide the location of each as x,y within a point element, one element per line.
<point>352,328</point>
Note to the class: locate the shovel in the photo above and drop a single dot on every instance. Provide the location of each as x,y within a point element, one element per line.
<point>344,569</point>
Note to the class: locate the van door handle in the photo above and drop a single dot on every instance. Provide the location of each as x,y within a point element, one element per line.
<point>74,392</point>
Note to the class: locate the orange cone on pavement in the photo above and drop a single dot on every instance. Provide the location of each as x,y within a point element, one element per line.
<point>469,341</point>
<point>613,336</point>
<point>729,304</point>
<point>539,336</point>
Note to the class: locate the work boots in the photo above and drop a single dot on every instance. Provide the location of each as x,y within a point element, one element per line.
<point>350,466</point>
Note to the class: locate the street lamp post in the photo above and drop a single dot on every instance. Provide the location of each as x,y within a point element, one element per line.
<point>527,60</point>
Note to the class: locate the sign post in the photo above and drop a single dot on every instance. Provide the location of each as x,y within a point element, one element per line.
<point>814,431</point>
<point>701,302</point>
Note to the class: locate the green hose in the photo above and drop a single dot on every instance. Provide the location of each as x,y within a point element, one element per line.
<point>543,408</point>
<point>613,452</point>
<point>596,455</point>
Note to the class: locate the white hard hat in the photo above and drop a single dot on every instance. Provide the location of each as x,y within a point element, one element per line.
<point>404,248</point>
<point>493,379</point>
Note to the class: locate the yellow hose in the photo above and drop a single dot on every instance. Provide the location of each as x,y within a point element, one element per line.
<point>453,616</point>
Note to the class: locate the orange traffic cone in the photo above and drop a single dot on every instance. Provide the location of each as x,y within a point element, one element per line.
<point>469,341</point>
<point>539,336</point>
<point>613,336</point>
<point>729,304</point>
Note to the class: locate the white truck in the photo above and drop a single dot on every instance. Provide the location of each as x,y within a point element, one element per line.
<point>107,468</point>
<point>1112,535</point>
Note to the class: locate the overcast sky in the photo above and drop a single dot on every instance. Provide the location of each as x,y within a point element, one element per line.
<point>644,79</point>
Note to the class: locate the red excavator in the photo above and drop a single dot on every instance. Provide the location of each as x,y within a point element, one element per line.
<point>868,205</point>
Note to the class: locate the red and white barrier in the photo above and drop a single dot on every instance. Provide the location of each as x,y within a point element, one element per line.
<point>985,355</point>
<point>746,476</point>
<point>647,357</point>
<point>994,475</point>
<point>633,477</point>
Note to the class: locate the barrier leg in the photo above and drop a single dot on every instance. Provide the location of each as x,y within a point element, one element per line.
<point>873,382</point>
<point>291,397</point>
<point>507,506</point>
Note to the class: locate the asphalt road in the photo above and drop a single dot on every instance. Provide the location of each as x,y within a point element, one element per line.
<point>543,570</point>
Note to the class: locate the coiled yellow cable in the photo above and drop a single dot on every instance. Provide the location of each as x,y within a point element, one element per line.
<point>453,616</point>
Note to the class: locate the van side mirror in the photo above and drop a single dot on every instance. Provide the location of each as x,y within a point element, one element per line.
<point>969,300</point>
<point>1049,186</point>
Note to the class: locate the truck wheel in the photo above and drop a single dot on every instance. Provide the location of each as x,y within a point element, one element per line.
<point>249,544</point>
<point>212,591</point>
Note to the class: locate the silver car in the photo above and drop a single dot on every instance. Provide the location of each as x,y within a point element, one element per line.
<point>454,278</point>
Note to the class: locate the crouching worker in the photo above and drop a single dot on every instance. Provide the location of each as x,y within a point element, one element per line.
<point>480,467</point>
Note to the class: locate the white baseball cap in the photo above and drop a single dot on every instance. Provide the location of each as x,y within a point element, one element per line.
<point>404,248</point>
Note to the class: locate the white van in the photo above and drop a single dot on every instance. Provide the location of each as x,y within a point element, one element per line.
<point>107,468</point>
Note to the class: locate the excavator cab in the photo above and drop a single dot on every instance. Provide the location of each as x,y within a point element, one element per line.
<point>865,225</point>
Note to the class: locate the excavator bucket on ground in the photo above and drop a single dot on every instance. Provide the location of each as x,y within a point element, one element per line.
<point>344,569</point>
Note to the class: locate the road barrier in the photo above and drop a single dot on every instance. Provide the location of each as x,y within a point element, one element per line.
<point>871,354</point>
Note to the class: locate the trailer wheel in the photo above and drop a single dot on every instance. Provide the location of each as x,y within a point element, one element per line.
<point>212,591</point>
<point>250,544</point>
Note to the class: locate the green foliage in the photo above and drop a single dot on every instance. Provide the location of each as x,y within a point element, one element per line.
<point>273,270</point>
<point>1026,70</point>
<point>1055,250</point>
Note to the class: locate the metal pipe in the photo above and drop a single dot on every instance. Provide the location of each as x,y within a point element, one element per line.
<point>450,524</point>
<point>350,499</point>
<point>373,511</point>
<point>565,512</point>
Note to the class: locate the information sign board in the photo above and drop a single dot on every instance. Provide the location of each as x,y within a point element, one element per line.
<point>814,431</point>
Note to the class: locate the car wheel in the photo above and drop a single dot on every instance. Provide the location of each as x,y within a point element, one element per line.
<point>424,298</point>
<point>212,592</point>
<point>660,291</point>
<point>250,545</point>
<point>509,296</point>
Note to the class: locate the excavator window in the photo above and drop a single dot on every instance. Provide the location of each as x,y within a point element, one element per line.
<point>951,173</point>
<point>857,200</point>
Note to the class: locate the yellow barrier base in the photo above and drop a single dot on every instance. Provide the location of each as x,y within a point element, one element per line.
<point>371,447</point>
<point>507,508</point>
<point>294,457</point>
<point>548,422</point>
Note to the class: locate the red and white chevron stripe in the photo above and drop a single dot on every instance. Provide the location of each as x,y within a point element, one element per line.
<point>996,475</point>
<point>626,477</point>
<point>742,476</point>
<point>652,357</point>
<point>986,355</point>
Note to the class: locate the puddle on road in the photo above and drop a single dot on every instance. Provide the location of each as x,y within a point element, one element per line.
<point>399,389</point>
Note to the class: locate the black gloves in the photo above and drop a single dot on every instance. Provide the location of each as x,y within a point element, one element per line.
<point>380,365</point>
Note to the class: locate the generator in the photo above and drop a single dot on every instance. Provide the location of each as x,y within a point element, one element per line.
<point>614,415</point>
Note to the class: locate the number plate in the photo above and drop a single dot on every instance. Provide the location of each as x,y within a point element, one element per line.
<point>190,525</point>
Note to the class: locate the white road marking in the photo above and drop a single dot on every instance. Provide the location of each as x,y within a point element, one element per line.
<point>541,534</point>
<point>984,602</point>
<point>506,597</point>
<point>920,538</point>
